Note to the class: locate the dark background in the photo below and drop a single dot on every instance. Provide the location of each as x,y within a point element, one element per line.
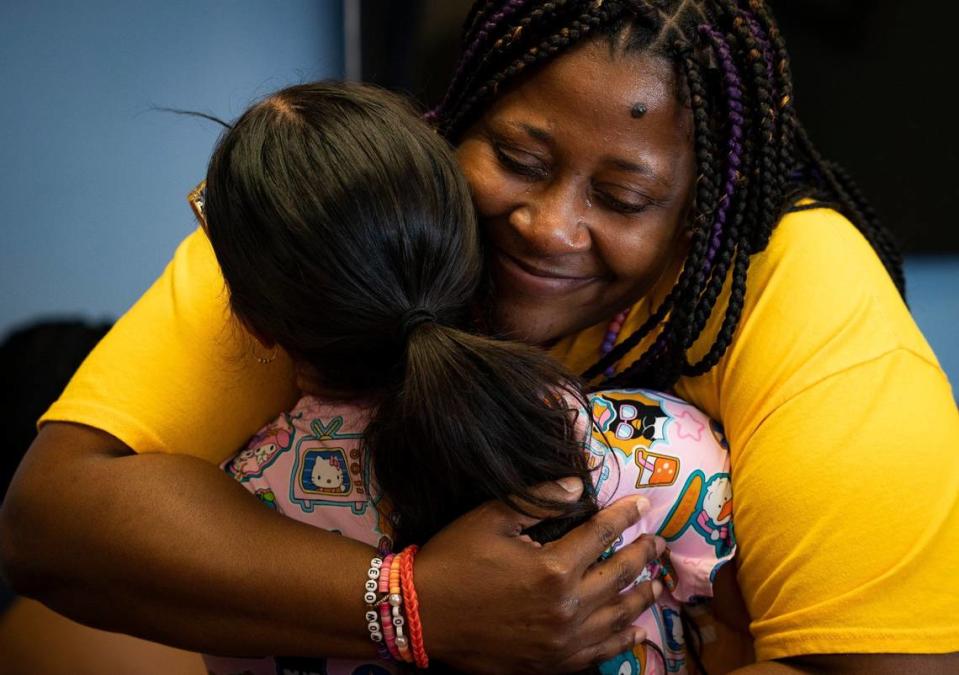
<point>873,78</point>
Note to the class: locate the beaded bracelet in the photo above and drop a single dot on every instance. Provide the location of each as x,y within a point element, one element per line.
<point>370,598</point>
<point>389,633</point>
<point>396,605</point>
<point>414,625</point>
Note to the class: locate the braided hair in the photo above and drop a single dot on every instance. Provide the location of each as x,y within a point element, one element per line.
<point>755,160</point>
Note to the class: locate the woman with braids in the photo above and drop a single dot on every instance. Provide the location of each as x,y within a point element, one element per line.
<point>657,216</point>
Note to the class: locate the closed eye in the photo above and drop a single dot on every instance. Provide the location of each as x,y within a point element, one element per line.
<point>618,205</point>
<point>519,162</point>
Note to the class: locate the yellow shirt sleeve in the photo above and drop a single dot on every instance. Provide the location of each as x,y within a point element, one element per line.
<point>844,440</point>
<point>177,373</point>
<point>847,518</point>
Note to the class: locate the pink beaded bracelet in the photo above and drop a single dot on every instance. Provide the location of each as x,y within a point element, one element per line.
<point>389,634</point>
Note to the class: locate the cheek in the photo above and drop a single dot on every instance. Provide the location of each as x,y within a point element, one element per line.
<point>638,255</point>
<point>493,193</point>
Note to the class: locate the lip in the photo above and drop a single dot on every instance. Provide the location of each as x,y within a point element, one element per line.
<point>529,279</point>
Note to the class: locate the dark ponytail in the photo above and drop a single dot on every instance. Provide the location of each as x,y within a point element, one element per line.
<point>346,234</point>
<point>473,419</point>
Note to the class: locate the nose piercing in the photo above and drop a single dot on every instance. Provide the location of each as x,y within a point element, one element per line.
<point>589,204</point>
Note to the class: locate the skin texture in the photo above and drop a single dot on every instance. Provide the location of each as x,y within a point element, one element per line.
<point>584,204</point>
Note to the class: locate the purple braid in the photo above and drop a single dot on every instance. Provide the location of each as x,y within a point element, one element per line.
<point>734,96</point>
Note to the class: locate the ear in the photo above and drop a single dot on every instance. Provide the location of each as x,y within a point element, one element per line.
<point>197,201</point>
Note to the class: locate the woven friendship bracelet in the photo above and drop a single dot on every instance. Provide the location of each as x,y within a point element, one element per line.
<point>413,624</point>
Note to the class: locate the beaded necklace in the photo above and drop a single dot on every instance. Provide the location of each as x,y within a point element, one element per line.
<point>612,336</point>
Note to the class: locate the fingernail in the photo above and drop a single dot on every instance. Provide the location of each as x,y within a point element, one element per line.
<point>639,636</point>
<point>657,588</point>
<point>660,545</point>
<point>642,505</point>
<point>571,484</point>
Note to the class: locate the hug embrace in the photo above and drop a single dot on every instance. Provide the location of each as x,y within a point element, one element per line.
<point>599,365</point>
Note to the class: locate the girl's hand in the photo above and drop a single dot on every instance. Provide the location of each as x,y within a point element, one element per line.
<point>492,601</point>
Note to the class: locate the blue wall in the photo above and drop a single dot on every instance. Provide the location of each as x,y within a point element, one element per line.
<point>932,288</point>
<point>92,182</point>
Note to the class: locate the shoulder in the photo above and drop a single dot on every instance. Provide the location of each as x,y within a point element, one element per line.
<point>819,272</point>
<point>843,430</point>
<point>818,304</point>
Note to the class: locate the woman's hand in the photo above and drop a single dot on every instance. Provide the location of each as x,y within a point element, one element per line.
<point>492,601</point>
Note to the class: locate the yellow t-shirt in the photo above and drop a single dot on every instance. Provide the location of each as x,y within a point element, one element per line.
<point>843,430</point>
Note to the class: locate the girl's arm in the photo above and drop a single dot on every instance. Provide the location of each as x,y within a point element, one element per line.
<point>170,548</point>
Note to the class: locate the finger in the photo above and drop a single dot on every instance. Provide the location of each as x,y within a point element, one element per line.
<point>603,582</point>
<point>618,616</point>
<point>595,654</point>
<point>513,522</point>
<point>581,546</point>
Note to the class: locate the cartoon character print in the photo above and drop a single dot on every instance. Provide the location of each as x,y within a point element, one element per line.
<point>260,452</point>
<point>329,469</point>
<point>326,474</point>
<point>627,663</point>
<point>714,520</point>
<point>707,506</point>
<point>672,631</point>
<point>632,422</point>
<point>630,416</point>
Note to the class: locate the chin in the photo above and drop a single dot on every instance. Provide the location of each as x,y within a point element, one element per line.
<point>535,325</point>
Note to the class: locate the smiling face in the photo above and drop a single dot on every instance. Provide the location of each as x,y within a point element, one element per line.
<point>583,195</point>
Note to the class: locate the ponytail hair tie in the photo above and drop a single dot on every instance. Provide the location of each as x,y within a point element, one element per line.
<point>411,319</point>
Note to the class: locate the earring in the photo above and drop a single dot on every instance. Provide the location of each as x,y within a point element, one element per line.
<point>266,359</point>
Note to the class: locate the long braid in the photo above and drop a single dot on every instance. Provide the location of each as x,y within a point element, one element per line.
<point>761,172</point>
<point>731,59</point>
<point>705,205</point>
<point>723,240</point>
<point>697,267</point>
<point>739,150</point>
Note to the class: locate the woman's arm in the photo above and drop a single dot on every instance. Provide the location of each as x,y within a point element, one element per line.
<point>170,548</point>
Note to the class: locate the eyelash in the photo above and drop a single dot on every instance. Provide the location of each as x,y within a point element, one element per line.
<point>536,173</point>
<point>517,167</point>
<point>621,207</point>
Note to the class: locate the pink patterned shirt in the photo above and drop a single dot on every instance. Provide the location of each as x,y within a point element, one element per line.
<point>308,465</point>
